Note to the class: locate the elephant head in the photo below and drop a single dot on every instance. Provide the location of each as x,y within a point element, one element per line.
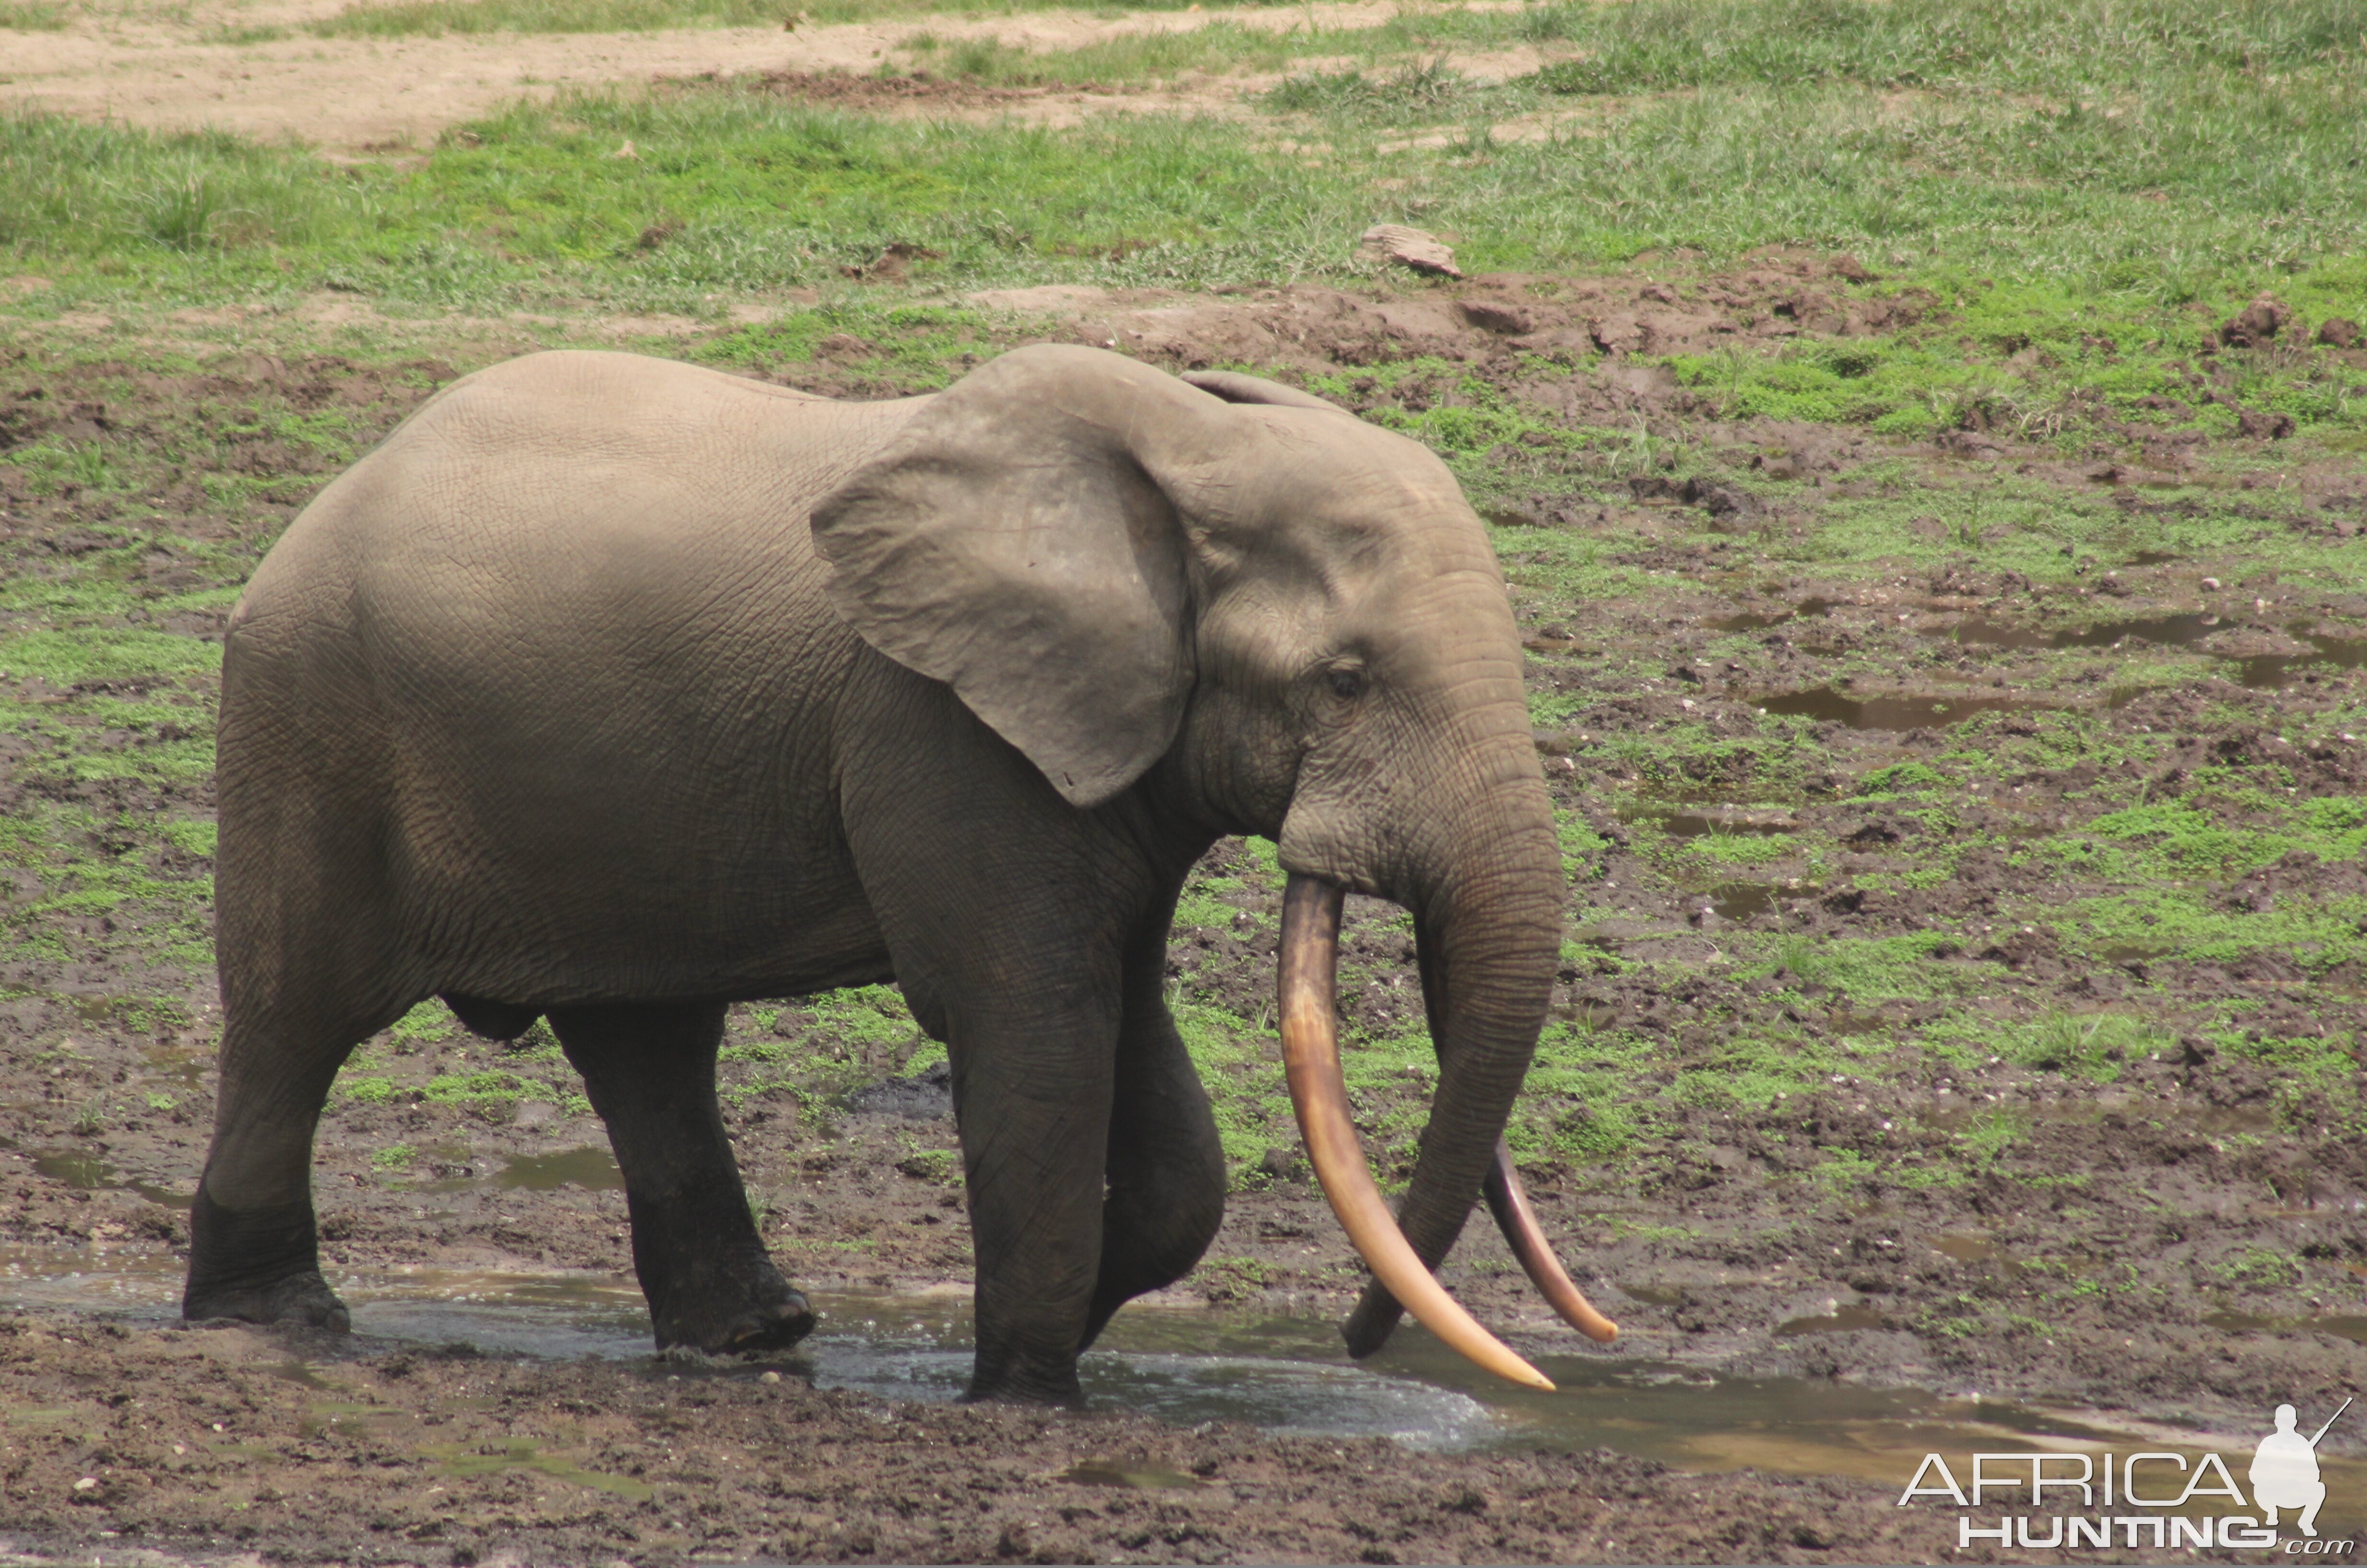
<point>1275,619</point>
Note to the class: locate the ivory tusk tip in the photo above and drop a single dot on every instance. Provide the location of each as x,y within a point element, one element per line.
<point>1513,1367</point>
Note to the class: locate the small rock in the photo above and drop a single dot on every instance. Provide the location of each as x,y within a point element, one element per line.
<point>1620,332</point>
<point>1493,316</point>
<point>2338,331</point>
<point>2210,585</point>
<point>1409,247</point>
<point>1280,1164</point>
<point>2263,425</point>
<point>924,1096</point>
<point>1723,502</point>
<point>768,1377</point>
<point>2256,325</point>
<point>893,263</point>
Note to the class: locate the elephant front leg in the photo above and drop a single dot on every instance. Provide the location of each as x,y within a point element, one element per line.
<point>1035,1128</point>
<point>1166,1161</point>
<point>650,1072</point>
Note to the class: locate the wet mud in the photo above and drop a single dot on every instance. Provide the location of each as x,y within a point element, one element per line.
<point>2048,1183</point>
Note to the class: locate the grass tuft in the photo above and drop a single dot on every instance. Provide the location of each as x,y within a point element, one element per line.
<point>1663,45</point>
<point>436,17</point>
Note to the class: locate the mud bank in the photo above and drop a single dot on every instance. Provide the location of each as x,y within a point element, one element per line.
<point>1960,1003</point>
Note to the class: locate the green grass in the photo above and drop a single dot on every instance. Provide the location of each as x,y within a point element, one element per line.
<point>1129,57</point>
<point>2105,239</point>
<point>31,16</point>
<point>2078,47</point>
<point>436,17</point>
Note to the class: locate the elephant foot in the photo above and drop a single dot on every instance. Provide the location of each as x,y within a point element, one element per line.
<point>757,1310</point>
<point>258,1266</point>
<point>303,1300</point>
<point>1044,1390</point>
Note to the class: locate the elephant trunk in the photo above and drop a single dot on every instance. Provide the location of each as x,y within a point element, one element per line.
<point>1489,933</point>
<point>1310,1046</point>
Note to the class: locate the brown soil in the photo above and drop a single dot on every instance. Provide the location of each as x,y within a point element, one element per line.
<point>378,94</point>
<point>1489,322</point>
<point>214,1443</point>
<point>2158,1183</point>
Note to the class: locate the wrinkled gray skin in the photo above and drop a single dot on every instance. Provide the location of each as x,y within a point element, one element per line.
<point>616,690</point>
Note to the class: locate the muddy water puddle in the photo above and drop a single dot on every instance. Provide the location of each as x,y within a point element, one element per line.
<point>1286,1375</point>
<point>589,1167</point>
<point>1826,705</point>
<point>1896,712</point>
<point>76,1168</point>
<point>1755,621</point>
<point>2263,672</point>
<point>1739,822</point>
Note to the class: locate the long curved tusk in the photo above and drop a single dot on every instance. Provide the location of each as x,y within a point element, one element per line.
<point>1510,1204</point>
<point>1311,1056</point>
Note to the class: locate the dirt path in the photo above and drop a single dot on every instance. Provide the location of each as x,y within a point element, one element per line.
<point>372,95</point>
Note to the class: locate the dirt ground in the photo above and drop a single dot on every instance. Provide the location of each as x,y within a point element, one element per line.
<point>362,95</point>
<point>212,1445</point>
<point>2173,1243</point>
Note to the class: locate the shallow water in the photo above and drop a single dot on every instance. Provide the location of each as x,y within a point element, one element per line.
<point>1807,609</point>
<point>1286,1375</point>
<point>2260,671</point>
<point>1829,706</point>
<point>76,1167</point>
<point>591,1167</point>
<point>1698,825</point>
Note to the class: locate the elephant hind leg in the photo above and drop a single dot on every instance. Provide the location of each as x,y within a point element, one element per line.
<point>1166,1168</point>
<point>648,1069</point>
<point>253,1244</point>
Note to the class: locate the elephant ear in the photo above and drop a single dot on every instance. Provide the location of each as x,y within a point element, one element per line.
<point>1022,543</point>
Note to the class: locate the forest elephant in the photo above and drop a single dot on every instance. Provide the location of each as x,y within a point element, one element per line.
<point>615,690</point>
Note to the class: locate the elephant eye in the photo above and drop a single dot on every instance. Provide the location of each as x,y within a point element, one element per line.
<point>1347,683</point>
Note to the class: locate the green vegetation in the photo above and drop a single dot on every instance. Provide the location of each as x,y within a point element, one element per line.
<point>439,16</point>
<point>2051,210</point>
<point>2053,199</point>
<point>2081,47</point>
<point>369,19</point>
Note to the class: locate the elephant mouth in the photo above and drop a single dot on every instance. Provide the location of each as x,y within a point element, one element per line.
<point>1318,1094</point>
